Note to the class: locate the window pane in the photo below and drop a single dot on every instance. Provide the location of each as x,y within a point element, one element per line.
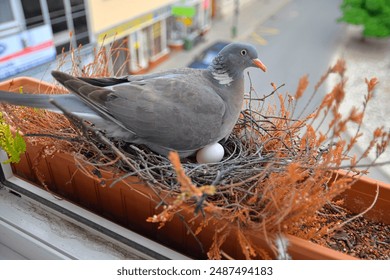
<point>60,26</point>
<point>82,40</point>
<point>77,5</point>
<point>32,12</point>
<point>80,24</point>
<point>120,57</point>
<point>56,8</point>
<point>57,15</point>
<point>76,2</point>
<point>6,14</point>
<point>63,48</point>
<point>156,31</point>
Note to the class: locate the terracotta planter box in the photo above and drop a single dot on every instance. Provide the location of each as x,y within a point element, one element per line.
<point>130,202</point>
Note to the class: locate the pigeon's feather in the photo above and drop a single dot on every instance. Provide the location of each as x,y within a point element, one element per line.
<point>43,101</point>
<point>104,82</point>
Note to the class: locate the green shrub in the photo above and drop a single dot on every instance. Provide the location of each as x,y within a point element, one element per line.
<point>374,15</point>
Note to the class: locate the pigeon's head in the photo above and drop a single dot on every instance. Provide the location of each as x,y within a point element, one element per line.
<point>241,56</point>
<point>232,60</point>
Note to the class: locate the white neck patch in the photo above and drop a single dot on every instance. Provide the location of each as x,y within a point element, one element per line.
<point>222,78</point>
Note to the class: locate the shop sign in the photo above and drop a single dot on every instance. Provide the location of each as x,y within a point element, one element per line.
<point>126,28</point>
<point>184,11</point>
<point>25,50</point>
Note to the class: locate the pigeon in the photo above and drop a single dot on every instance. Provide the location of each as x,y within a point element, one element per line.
<point>179,110</point>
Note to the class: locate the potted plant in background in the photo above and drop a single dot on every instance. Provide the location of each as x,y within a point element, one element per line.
<point>277,188</point>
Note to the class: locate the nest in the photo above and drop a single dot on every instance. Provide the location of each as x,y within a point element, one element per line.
<point>274,177</point>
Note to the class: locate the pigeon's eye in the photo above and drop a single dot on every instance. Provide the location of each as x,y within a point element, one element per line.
<point>244,52</point>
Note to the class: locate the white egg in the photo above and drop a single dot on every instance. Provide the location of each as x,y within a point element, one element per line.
<point>210,154</point>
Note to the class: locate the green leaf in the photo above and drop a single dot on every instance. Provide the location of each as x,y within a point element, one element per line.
<point>13,145</point>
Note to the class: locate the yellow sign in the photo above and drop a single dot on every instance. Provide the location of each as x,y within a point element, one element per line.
<point>186,21</point>
<point>123,29</point>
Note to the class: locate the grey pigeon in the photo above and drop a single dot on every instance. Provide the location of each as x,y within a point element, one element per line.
<point>180,109</point>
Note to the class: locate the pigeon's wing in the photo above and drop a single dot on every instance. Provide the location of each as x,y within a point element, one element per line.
<point>94,96</point>
<point>180,112</point>
<point>177,112</point>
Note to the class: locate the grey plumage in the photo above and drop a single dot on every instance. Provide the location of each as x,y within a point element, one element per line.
<point>180,109</point>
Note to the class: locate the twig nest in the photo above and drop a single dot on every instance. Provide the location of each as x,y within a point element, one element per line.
<point>211,153</point>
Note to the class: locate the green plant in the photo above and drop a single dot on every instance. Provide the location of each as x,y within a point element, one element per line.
<point>374,15</point>
<point>13,145</point>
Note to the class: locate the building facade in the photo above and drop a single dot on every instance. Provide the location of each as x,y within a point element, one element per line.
<point>67,20</point>
<point>33,32</point>
<point>135,34</point>
<point>138,36</point>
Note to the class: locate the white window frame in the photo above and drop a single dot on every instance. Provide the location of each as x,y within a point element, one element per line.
<point>16,25</point>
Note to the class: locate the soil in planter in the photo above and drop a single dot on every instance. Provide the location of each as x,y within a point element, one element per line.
<point>360,238</point>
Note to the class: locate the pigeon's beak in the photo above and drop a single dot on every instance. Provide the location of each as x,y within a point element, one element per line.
<point>259,64</point>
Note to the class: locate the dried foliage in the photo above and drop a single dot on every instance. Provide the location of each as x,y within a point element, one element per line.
<point>274,178</point>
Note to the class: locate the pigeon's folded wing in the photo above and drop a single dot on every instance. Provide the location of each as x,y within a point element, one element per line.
<point>170,112</point>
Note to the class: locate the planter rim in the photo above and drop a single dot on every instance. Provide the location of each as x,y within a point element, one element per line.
<point>14,83</point>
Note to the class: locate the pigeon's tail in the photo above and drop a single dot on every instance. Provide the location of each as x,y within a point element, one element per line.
<point>95,98</point>
<point>91,94</point>
<point>41,101</point>
<point>44,101</point>
<point>70,102</point>
<point>73,83</point>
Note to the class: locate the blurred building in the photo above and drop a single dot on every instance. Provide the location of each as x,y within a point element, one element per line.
<point>136,34</point>
<point>139,35</point>
<point>33,32</point>
<point>133,33</point>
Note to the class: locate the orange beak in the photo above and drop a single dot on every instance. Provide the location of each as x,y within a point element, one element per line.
<point>259,64</point>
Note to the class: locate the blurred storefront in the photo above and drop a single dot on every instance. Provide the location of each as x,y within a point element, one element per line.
<point>190,20</point>
<point>136,34</point>
<point>133,33</point>
<point>139,36</point>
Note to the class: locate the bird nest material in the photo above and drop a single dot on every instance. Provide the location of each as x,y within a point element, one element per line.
<point>274,177</point>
